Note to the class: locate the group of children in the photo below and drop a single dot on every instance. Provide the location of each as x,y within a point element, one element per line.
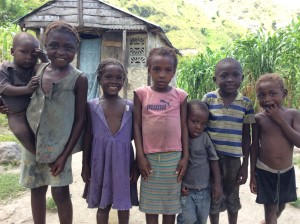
<point>187,153</point>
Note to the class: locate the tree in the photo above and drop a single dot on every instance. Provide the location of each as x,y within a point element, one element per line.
<point>11,10</point>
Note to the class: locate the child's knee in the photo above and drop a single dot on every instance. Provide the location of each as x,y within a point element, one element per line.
<point>60,194</point>
<point>103,211</point>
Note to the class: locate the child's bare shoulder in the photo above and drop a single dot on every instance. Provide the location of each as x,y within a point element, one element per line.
<point>259,116</point>
<point>294,114</point>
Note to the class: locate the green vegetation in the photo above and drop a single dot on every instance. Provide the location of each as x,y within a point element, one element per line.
<point>9,186</point>
<point>296,160</point>
<point>296,203</point>
<point>50,205</point>
<point>258,53</point>
<point>200,24</point>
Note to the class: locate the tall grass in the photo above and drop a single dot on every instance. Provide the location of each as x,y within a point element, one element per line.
<point>259,53</point>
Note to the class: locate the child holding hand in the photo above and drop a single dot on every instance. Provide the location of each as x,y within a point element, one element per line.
<point>108,169</point>
<point>17,83</point>
<point>56,114</point>
<point>275,134</point>
<point>161,138</point>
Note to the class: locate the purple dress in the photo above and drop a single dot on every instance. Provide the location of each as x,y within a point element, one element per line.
<point>111,160</point>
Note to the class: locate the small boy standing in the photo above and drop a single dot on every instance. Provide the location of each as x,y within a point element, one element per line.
<point>274,136</point>
<point>231,115</point>
<point>195,192</point>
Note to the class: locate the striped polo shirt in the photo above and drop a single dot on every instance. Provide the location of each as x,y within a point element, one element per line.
<point>226,124</point>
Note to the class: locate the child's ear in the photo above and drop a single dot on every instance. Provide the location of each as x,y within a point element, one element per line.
<point>285,93</point>
<point>214,79</point>
<point>12,51</point>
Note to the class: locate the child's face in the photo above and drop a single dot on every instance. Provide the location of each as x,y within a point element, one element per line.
<point>111,80</point>
<point>61,48</point>
<point>197,121</point>
<point>162,70</point>
<point>24,53</point>
<point>270,93</point>
<point>229,78</point>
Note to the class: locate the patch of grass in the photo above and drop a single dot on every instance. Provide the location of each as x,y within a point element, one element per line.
<point>296,160</point>
<point>50,205</point>
<point>296,203</point>
<point>9,186</point>
<point>11,165</point>
<point>8,138</point>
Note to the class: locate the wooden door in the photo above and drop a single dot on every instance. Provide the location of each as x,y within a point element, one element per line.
<point>89,61</point>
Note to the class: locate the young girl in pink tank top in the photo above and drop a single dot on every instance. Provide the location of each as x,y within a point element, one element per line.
<point>161,138</point>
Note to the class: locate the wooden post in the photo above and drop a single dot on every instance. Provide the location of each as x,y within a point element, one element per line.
<point>80,12</point>
<point>124,51</point>
<point>41,38</point>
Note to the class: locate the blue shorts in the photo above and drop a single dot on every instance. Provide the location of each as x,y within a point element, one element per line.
<point>195,207</point>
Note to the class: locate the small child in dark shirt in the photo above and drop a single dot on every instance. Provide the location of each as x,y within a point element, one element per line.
<point>195,193</point>
<point>17,83</point>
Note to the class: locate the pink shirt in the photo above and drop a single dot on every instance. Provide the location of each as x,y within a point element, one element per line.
<point>161,124</point>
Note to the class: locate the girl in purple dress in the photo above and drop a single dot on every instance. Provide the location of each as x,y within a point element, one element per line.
<point>108,165</point>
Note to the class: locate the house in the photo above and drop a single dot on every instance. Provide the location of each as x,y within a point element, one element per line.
<point>105,31</point>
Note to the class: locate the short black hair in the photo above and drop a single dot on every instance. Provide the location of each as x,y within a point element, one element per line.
<point>200,104</point>
<point>162,51</point>
<point>24,35</point>
<point>228,60</point>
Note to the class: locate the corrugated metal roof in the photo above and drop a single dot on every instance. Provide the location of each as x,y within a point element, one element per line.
<point>151,26</point>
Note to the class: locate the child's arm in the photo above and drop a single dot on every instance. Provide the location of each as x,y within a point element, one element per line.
<point>80,109</point>
<point>292,132</point>
<point>217,188</point>
<point>11,90</point>
<point>87,143</point>
<point>246,141</point>
<point>143,163</point>
<point>182,164</point>
<point>253,156</point>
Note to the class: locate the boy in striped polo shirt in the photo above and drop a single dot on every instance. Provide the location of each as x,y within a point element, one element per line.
<point>231,115</point>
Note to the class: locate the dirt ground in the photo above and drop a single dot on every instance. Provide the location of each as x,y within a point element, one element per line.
<point>17,211</point>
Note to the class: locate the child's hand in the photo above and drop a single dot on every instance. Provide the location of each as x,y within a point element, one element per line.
<point>86,173</point>
<point>253,188</point>
<point>134,173</point>
<point>33,83</point>
<point>145,168</point>
<point>40,54</point>
<point>275,113</point>
<point>242,174</point>
<point>181,169</point>
<point>57,166</point>
<point>184,191</point>
<point>217,192</point>
<point>4,110</point>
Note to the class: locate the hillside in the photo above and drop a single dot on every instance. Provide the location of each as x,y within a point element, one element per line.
<point>196,24</point>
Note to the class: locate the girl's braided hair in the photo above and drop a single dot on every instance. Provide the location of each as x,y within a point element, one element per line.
<point>61,25</point>
<point>162,51</point>
<point>109,61</point>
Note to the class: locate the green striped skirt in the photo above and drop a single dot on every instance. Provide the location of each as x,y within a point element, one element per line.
<point>160,194</point>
